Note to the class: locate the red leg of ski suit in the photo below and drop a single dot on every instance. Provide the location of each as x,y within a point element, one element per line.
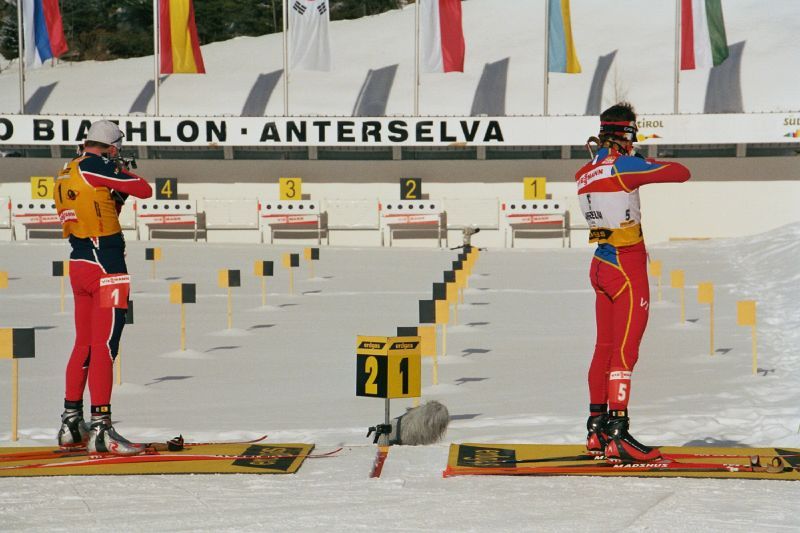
<point>622,303</point>
<point>97,335</point>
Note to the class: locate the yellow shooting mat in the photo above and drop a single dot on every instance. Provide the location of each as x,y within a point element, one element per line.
<point>497,459</point>
<point>289,458</point>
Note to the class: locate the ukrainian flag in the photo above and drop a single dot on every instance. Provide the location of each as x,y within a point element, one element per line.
<point>561,50</point>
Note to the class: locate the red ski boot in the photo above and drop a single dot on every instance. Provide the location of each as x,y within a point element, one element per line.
<point>622,447</point>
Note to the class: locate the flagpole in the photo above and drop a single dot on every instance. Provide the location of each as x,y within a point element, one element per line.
<point>676,85</point>
<point>416,58</point>
<point>20,48</point>
<point>156,58</point>
<point>546,54</point>
<point>285,61</point>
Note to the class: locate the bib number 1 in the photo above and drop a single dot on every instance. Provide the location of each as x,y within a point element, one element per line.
<point>114,291</point>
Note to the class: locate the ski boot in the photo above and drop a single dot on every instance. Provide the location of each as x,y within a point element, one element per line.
<point>74,432</point>
<point>597,437</point>
<point>104,439</point>
<point>622,447</point>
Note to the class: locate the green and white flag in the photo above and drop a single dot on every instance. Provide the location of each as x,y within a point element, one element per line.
<point>703,40</point>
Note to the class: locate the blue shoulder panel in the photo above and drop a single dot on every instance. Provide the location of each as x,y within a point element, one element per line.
<point>630,163</point>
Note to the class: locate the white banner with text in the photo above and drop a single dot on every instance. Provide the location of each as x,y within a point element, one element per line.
<point>398,131</point>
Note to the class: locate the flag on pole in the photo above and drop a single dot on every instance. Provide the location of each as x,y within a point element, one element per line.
<point>43,32</point>
<point>703,40</point>
<point>561,54</point>
<point>442,45</point>
<point>310,45</point>
<point>180,47</point>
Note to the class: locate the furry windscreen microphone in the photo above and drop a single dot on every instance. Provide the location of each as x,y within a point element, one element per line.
<point>425,424</point>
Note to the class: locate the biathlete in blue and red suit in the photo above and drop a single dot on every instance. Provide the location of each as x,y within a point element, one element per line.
<point>608,191</point>
<point>89,193</point>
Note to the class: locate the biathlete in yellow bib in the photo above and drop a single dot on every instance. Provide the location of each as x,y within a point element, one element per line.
<point>90,191</point>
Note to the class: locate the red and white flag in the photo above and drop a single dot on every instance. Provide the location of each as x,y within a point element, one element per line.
<point>441,36</point>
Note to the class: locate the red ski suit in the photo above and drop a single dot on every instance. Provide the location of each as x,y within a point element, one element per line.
<point>88,212</point>
<point>609,197</point>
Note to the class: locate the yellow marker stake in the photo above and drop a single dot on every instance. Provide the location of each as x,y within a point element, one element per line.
<point>230,309</point>
<point>3,280</point>
<point>154,255</point>
<point>444,339</point>
<point>711,329</point>
<point>14,399</point>
<point>755,352</point>
<point>451,295</point>
<point>263,291</point>
<point>655,270</point>
<point>746,316</point>
<point>15,344</point>
<point>62,294</point>
<point>119,369</point>
<point>705,295</point>
<point>183,328</point>
<point>677,282</point>
<point>429,349</point>
<point>290,261</point>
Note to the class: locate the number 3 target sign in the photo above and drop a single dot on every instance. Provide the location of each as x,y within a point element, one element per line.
<point>388,367</point>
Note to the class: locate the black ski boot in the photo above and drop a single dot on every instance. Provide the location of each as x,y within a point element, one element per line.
<point>597,437</point>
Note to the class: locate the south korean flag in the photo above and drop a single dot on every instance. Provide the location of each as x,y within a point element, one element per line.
<point>309,41</point>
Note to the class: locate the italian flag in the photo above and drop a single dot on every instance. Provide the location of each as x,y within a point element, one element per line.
<point>703,41</point>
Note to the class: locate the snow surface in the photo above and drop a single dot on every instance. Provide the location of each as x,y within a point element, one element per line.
<point>643,72</point>
<point>515,371</point>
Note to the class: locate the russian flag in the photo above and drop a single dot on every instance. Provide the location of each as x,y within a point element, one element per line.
<point>180,46</point>
<point>442,47</point>
<point>43,31</point>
